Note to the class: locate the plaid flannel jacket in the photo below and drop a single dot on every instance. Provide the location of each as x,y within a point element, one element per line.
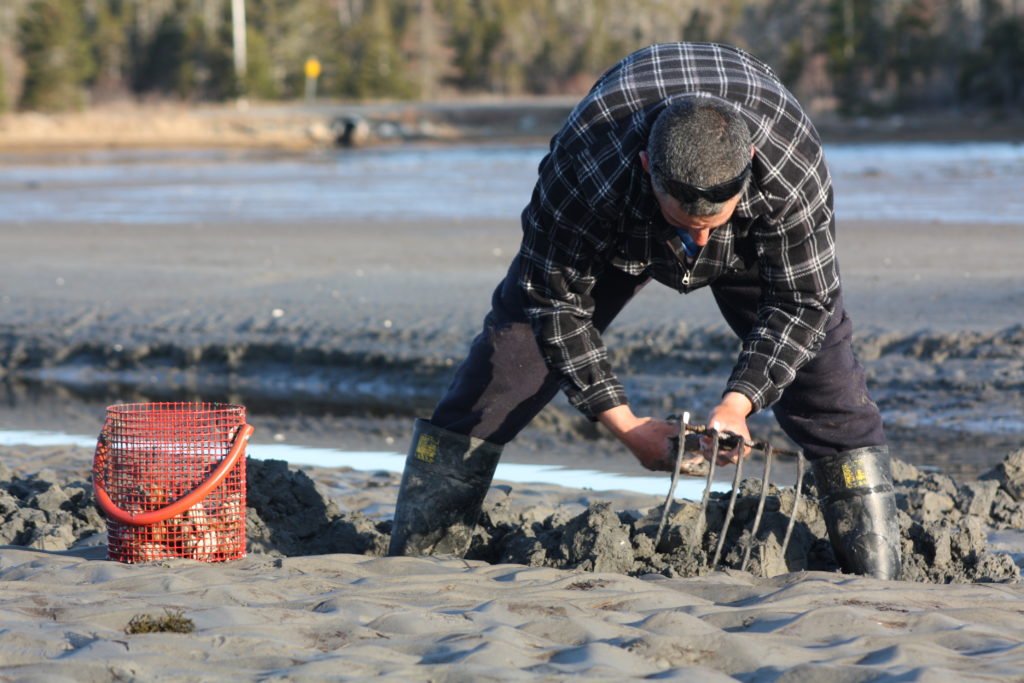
<point>593,208</point>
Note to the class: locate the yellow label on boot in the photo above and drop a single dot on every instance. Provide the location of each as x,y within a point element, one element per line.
<point>426,448</point>
<point>854,475</point>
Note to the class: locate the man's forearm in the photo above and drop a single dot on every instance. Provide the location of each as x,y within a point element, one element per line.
<point>736,403</point>
<point>618,420</point>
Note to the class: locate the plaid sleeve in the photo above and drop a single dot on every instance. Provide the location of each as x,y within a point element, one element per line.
<point>796,250</point>
<point>563,239</point>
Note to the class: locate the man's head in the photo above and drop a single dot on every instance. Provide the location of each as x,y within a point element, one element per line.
<point>698,155</point>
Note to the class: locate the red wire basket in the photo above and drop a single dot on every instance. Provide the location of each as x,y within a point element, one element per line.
<point>170,479</point>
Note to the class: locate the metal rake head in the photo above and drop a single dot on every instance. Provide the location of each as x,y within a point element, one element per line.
<point>689,442</point>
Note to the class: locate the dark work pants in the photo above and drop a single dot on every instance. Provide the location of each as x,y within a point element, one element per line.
<point>504,382</point>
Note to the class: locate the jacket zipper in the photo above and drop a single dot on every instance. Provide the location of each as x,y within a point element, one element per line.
<point>687,270</point>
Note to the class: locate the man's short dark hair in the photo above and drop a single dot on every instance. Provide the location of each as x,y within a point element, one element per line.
<point>700,141</point>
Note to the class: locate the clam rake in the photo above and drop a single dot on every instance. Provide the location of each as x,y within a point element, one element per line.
<point>689,442</point>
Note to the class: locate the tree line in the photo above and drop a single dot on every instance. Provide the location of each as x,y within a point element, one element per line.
<point>849,56</point>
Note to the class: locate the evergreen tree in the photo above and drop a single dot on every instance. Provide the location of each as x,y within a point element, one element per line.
<point>267,72</point>
<point>372,63</point>
<point>207,71</point>
<point>920,52</point>
<point>218,53</point>
<point>3,88</point>
<point>283,34</point>
<point>993,76</point>
<point>160,68</point>
<point>855,44</point>
<point>108,28</point>
<point>58,62</point>
<point>870,56</point>
<point>477,30</point>
<point>187,59</point>
<point>259,74</point>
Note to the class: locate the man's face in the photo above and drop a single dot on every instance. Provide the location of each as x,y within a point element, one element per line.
<point>699,227</point>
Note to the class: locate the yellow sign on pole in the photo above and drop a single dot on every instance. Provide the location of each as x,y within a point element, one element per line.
<point>312,68</point>
<point>312,73</point>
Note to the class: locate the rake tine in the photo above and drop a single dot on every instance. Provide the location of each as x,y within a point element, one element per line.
<point>760,507</point>
<point>796,503</point>
<point>732,503</point>
<point>675,478</point>
<point>703,516</point>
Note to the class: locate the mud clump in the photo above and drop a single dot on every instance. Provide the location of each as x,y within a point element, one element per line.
<point>944,526</point>
<point>288,514</point>
<point>46,511</point>
<point>1009,477</point>
<point>601,540</point>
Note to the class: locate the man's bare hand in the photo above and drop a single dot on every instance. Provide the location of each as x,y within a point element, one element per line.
<point>729,416</point>
<point>646,438</point>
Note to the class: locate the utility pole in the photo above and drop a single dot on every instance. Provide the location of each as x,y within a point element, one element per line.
<point>238,37</point>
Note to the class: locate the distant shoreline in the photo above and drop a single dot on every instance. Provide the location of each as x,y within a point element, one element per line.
<point>297,127</point>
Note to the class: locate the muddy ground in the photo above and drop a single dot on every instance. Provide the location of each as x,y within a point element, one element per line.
<point>952,400</point>
<point>946,524</point>
<point>328,344</point>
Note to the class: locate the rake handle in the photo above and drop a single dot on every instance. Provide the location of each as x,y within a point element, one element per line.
<point>196,495</point>
<point>730,440</point>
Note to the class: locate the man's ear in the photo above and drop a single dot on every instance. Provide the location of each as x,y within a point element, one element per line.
<point>753,151</point>
<point>645,161</point>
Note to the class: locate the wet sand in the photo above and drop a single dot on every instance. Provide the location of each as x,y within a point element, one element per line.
<point>560,583</point>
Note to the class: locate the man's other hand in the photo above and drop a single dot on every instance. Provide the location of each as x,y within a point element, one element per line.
<point>645,437</point>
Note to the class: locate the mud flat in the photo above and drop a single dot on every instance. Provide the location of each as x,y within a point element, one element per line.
<point>293,511</point>
<point>342,332</point>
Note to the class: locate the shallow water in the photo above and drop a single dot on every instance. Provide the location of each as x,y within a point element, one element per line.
<point>941,182</point>
<point>690,489</point>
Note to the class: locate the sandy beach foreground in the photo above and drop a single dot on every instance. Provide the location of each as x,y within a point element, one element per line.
<point>296,608</point>
<point>350,617</point>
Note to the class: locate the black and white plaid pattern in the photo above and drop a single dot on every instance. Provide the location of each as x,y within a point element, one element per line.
<point>593,208</point>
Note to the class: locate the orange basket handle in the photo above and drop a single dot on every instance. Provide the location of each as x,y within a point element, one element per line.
<point>194,496</point>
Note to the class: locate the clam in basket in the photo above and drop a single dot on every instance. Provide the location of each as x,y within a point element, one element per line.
<point>170,479</point>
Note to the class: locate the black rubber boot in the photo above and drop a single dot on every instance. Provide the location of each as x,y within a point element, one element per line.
<point>444,483</point>
<point>859,505</point>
